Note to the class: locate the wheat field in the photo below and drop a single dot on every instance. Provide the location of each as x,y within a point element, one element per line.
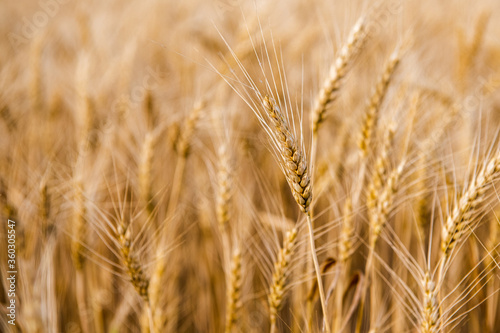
<point>250,166</point>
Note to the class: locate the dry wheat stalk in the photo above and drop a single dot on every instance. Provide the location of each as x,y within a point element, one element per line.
<point>332,84</point>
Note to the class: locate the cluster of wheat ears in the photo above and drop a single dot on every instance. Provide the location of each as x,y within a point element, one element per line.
<point>230,166</point>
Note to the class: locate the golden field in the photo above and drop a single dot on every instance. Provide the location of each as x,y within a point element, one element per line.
<point>249,166</point>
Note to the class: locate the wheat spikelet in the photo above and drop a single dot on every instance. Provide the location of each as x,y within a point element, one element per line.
<point>233,291</point>
<point>373,108</point>
<point>280,274</point>
<point>430,306</point>
<point>332,84</point>
<point>292,155</point>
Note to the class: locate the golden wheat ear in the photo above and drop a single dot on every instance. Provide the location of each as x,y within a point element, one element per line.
<point>233,291</point>
<point>280,276</point>
<point>373,108</point>
<point>462,217</point>
<point>430,306</point>
<point>292,156</point>
<point>329,92</point>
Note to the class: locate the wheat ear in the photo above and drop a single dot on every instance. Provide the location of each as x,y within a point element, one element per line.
<point>373,108</point>
<point>329,93</point>
<point>134,268</point>
<point>462,215</point>
<point>293,157</point>
<point>281,269</point>
<point>385,197</point>
<point>183,142</point>
<point>347,232</point>
<point>381,165</point>
<point>233,291</point>
<point>224,188</point>
<point>182,145</point>
<point>145,166</point>
<point>430,307</point>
